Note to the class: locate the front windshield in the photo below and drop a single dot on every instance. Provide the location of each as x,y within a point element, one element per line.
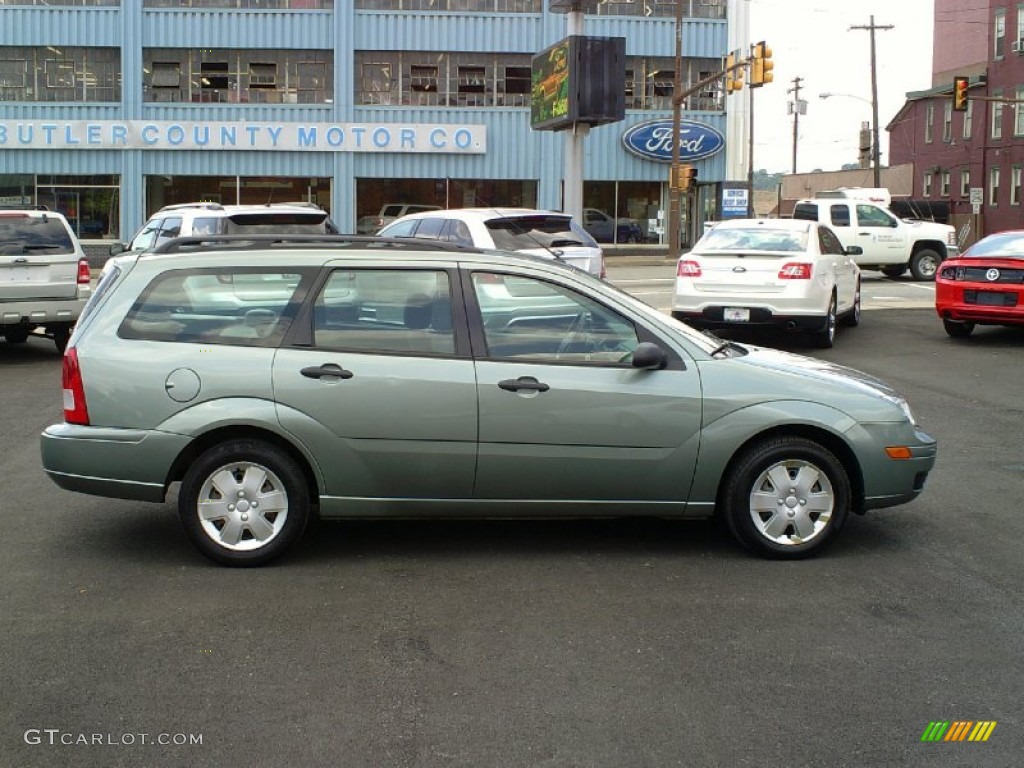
<point>1007,245</point>
<point>752,239</point>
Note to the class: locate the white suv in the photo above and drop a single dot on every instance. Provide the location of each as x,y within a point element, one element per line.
<point>44,275</point>
<point>368,225</point>
<point>550,234</point>
<point>189,219</point>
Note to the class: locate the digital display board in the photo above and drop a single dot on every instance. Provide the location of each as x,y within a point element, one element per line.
<point>579,79</point>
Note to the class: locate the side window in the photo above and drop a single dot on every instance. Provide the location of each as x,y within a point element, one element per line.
<point>525,318</point>
<point>829,242</point>
<point>872,216</point>
<point>459,233</point>
<point>399,229</point>
<point>385,311</point>
<point>205,226</point>
<point>242,307</point>
<point>170,229</point>
<point>840,215</point>
<point>430,228</point>
<point>143,241</point>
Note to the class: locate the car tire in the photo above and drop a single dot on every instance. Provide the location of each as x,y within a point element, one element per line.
<point>957,329</point>
<point>61,336</point>
<point>826,337</point>
<point>924,264</point>
<point>16,334</point>
<point>852,318</point>
<point>786,498</point>
<point>895,270</point>
<point>247,473</point>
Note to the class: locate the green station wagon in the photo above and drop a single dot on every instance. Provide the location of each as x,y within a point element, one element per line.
<point>280,378</point>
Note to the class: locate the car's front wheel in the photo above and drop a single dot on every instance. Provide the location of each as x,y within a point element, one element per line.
<point>244,502</point>
<point>924,264</point>
<point>786,498</point>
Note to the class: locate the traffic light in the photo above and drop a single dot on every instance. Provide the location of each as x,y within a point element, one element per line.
<point>733,75</point>
<point>960,86</point>
<point>683,177</point>
<point>761,64</point>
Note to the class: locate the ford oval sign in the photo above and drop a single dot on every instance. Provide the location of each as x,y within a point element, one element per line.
<point>653,140</point>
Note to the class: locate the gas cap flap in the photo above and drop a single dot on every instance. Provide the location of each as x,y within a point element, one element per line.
<point>182,385</point>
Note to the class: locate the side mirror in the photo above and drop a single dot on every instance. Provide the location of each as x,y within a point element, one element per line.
<point>117,248</point>
<point>854,250</point>
<point>649,357</point>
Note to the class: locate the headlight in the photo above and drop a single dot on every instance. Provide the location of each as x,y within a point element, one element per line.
<point>905,407</point>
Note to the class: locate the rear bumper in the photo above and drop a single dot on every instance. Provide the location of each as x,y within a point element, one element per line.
<point>713,317</point>
<point>41,311</point>
<point>116,463</point>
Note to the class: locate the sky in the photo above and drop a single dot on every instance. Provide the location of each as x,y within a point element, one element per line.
<point>812,39</point>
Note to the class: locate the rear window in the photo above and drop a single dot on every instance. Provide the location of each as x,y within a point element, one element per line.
<point>277,222</point>
<point>752,239</point>
<point>518,233</point>
<point>242,307</point>
<point>805,211</point>
<point>21,234</point>
<point>1004,246</point>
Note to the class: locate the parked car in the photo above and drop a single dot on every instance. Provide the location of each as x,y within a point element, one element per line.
<point>786,273</point>
<point>44,275</point>
<point>606,229</point>
<point>370,225</point>
<point>983,286</point>
<point>185,219</point>
<point>549,234</point>
<point>408,378</point>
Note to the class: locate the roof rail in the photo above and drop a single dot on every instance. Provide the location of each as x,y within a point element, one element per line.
<point>24,207</point>
<point>244,242</point>
<point>181,206</point>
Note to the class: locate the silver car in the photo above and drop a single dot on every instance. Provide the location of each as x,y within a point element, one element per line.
<point>278,380</point>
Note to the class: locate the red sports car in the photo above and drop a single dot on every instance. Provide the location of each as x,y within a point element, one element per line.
<point>982,286</point>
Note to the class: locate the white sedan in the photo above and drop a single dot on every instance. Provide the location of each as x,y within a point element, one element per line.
<point>788,273</point>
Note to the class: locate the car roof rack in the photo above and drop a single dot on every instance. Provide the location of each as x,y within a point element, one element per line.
<point>246,242</point>
<point>23,207</point>
<point>182,206</point>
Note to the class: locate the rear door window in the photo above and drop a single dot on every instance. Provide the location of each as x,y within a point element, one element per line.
<point>517,233</point>
<point>840,215</point>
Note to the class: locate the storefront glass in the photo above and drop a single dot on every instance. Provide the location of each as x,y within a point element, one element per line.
<point>91,204</point>
<point>234,190</point>
<point>372,195</point>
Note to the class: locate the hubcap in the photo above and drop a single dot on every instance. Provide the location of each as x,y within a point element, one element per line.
<point>792,502</point>
<point>243,506</point>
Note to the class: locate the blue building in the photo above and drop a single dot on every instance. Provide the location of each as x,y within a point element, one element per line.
<point>110,110</point>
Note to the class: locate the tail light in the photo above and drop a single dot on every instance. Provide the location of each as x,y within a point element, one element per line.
<point>688,269</point>
<point>795,270</point>
<point>84,274</point>
<point>948,273</point>
<point>75,410</point>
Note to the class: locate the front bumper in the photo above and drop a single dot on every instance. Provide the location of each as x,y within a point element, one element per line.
<point>116,463</point>
<point>889,482</point>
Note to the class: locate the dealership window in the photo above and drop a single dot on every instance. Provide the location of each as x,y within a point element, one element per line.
<point>650,83</point>
<point>997,115</point>
<point>1015,185</point>
<point>926,185</point>
<point>91,204</point>
<point>235,190</point>
<point>999,34</point>
<point>993,186</point>
<point>223,75</point>
<point>965,184</point>
<point>623,211</point>
<point>244,4</point>
<point>452,6</point>
<point>60,73</point>
<point>374,194</point>
<point>61,2</point>
<point>947,122</point>
<point>968,119</point>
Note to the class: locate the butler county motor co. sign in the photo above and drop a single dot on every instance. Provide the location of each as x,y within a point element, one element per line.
<point>430,138</point>
<point>653,140</point>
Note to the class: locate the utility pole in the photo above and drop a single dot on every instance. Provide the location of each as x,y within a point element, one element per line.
<point>795,90</point>
<point>674,207</point>
<point>874,98</point>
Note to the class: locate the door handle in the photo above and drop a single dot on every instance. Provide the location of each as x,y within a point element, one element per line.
<point>327,369</point>
<point>526,383</point>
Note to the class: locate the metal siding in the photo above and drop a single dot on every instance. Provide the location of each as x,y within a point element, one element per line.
<point>397,30</point>
<point>193,28</point>
<point>59,26</point>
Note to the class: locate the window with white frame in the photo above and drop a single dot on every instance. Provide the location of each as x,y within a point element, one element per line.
<point>1018,112</point>
<point>968,119</point>
<point>944,184</point>
<point>926,185</point>
<point>1015,185</point>
<point>965,184</point>
<point>999,34</point>
<point>929,118</point>
<point>997,115</point>
<point>947,122</point>
<point>993,186</point>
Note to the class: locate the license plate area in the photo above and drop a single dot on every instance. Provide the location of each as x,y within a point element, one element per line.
<point>736,315</point>
<point>991,298</point>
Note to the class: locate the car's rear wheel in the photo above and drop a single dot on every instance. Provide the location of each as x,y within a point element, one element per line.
<point>852,318</point>
<point>894,270</point>
<point>786,498</point>
<point>924,264</point>
<point>244,502</point>
<point>61,336</point>
<point>957,329</point>
<point>16,334</point>
<point>826,337</point>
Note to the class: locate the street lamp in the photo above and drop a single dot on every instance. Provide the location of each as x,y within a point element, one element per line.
<point>875,161</point>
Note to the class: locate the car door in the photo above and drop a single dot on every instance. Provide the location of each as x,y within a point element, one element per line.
<point>563,414</point>
<point>378,383</point>
<point>843,266</point>
<point>879,234</point>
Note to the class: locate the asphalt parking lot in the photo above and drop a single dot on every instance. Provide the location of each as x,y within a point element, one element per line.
<point>533,643</point>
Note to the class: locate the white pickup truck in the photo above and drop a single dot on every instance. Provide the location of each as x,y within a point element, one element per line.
<point>888,243</point>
